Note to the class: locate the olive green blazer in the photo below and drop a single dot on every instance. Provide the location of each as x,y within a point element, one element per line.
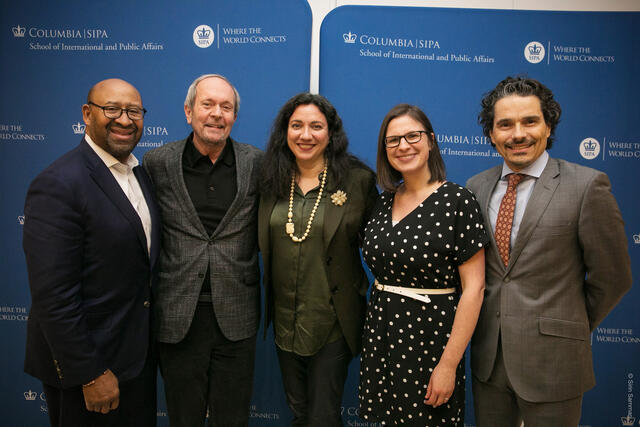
<point>342,234</point>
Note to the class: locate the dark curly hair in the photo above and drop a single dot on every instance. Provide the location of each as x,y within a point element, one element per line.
<point>521,86</point>
<point>280,163</point>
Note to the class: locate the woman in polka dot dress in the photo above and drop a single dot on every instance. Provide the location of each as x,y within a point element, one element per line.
<point>425,245</point>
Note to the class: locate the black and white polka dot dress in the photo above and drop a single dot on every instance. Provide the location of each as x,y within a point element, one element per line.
<point>404,338</point>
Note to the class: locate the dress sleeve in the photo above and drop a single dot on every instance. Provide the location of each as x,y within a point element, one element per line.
<point>470,234</point>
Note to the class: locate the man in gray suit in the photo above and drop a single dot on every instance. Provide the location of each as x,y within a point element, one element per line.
<point>208,295</point>
<point>552,278</point>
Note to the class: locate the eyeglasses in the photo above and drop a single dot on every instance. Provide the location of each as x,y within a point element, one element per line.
<point>411,138</point>
<point>111,112</point>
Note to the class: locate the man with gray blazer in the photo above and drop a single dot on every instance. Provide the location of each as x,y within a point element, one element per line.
<point>557,264</point>
<point>208,295</point>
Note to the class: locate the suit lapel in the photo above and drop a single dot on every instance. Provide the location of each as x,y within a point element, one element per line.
<point>265,208</point>
<point>176,178</point>
<point>244,171</point>
<point>147,191</point>
<point>103,177</point>
<point>333,214</point>
<point>485,191</point>
<point>538,202</point>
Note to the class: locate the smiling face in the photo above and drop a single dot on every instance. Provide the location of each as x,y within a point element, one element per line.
<point>117,137</point>
<point>308,135</point>
<point>212,114</point>
<point>408,158</point>
<point>519,130</point>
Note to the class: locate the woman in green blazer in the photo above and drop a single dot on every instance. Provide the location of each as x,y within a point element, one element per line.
<point>314,204</point>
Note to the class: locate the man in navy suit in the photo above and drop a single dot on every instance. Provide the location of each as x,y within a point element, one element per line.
<point>91,238</point>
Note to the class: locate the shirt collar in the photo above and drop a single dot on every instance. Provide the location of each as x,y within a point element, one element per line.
<point>193,156</point>
<point>534,169</point>
<point>107,158</point>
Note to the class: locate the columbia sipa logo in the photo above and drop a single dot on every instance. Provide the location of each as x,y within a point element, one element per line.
<point>589,148</point>
<point>18,31</point>
<point>30,395</point>
<point>78,128</point>
<point>203,36</point>
<point>534,52</point>
<point>636,239</point>
<point>21,219</point>
<point>349,37</point>
<point>628,421</point>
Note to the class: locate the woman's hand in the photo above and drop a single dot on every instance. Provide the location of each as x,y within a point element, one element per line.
<point>441,385</point>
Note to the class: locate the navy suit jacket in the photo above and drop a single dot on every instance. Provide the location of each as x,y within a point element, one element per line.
<point>90,272</point>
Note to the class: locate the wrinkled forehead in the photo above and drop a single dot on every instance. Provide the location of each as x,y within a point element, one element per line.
<point>215,88</point>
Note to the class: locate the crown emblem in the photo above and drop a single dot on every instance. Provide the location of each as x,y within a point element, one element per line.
<point>203,33</point>
<point>21,219</point>
<point>628,421</point>
<point>18,31</point>
<point>349,37</point>
<point>636,239</point>
<point>30,395</point>
<point>78,128</point>
<point>589,145</point>
<point>535,49</point>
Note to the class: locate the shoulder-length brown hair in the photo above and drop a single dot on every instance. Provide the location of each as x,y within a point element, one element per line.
<point>388,178</point>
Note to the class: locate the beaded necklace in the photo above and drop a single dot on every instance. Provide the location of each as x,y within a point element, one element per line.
<point>289,227</point>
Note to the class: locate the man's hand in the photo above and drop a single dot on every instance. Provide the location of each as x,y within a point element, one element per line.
<point>103,395</point>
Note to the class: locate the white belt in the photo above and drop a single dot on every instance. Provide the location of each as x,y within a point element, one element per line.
<point>419,294</point>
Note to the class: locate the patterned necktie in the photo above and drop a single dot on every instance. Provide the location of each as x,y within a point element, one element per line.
<point>505,217</point>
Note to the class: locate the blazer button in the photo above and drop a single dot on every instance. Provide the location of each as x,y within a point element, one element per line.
<point>507,279</point>
<point>328,260</point>
<point>200,275</point>
<point>147,304</point>
<point>497,314</point>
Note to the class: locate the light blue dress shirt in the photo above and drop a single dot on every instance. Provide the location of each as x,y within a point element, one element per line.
<point>524,190</point>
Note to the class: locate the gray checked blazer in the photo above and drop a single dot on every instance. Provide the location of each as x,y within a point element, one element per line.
<point>230,253</point>
<point>569,266</point>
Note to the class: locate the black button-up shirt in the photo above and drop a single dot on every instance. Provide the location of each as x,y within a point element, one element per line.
<point>211,186</point>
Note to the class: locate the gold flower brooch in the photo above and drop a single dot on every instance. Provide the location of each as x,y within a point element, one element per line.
<point>338,198</point>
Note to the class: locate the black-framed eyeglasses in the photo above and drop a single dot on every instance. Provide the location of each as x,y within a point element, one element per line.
<point>411,138</point>
<point>112,112</point>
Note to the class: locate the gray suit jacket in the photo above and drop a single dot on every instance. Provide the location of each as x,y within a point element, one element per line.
<point>569,267</point>
<point>230,253</point>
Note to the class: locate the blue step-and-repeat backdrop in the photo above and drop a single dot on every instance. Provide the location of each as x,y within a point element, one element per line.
<point>53,52</point>
<point>444,60</point>
<point>371,59</point>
